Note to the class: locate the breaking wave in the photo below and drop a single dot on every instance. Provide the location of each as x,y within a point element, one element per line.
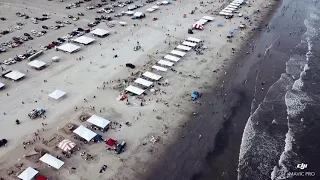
<point>263,139</point>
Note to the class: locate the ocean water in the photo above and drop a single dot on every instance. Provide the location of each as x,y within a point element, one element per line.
<point>283,130</point>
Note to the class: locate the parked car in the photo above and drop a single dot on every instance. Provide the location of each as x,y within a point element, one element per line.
<point>80,14</point>
<point>21,56</point>
<point>45,27</point>
<point>2,49</point>
<point>5,32</point>
<point>120,147</point>
<point>26,34</point>
<point>67,22</point>
<point>30,38</point>
<point>56,43</point>
<point>62,40</point>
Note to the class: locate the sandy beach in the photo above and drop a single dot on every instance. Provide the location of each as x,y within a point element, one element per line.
<point>163,114</point>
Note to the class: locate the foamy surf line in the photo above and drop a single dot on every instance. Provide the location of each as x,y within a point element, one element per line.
<point>295,101</point>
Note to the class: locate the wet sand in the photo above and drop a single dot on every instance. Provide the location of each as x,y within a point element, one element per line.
<point>235,108</point>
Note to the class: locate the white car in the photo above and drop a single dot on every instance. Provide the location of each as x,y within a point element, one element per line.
<point>80,34</point>
<point>75,18</point>
<point>34,31</point>
<point>21,56</point>
<point>18,27</point>
<point>67,22</point>
<point>6,62</point>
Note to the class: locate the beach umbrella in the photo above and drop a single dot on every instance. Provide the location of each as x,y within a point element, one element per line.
<point>197,26</point>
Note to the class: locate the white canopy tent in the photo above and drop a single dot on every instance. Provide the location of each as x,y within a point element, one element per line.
<point>191,39</point>
<point>85,133</point>
<point>84,40</point>
<point>238,2</point>
<point>187,43</point>
<point>1,85</point>
<point>15,75</point>
<point>227,11</point>
<point>221,13</point>
<point>231,6</point>
<point>155,7</point>
<point>66,145</point>
<point>209,18</point>
<point>28,174</point>
<point>98,121</point>
<point>68,47</point>
<point>235,4</point>
<point>57,94</point>
<point>178,53</point>
<point>185,48</point>
<point>137,14</point>
<point>100,32</point>
<point>134,90</point>
<point>52,161</point>
<point>202,21</point>
<point>150,9</point>
<point>172,58</point>
<point>122,23</point>
<point>152,75</point>
<point>159,68</point>
<point>230,9</point>
<point>165,63</point>
<point>143,82</point>
<point>129,13</point>
<point>37,64</point>
<point>165,2</point>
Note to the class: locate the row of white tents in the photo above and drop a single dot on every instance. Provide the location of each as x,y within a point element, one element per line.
<point>168,60</point>
<point>233,6</point>
<point>70,47</point>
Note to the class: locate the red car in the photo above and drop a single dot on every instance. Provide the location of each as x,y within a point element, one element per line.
<point>51,45</point>
<point>18,42</point>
